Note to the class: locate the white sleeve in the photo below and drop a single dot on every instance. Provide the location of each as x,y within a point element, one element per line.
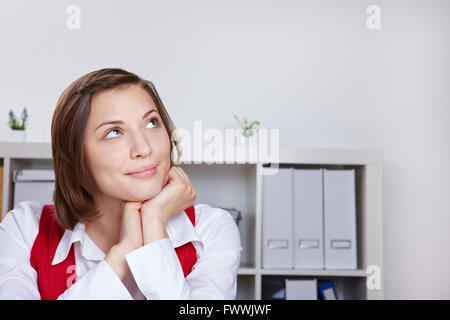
<point>159,275</point>
<point>18,229</point>
<point>18,279</point>
<point>100,282</point>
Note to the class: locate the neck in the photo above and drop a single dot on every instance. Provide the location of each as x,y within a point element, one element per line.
<point>105,230</point>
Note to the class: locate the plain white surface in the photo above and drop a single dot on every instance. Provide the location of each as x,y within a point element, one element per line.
<point>34,185</point>
<point>301,289</point>
<point>34,175</point>
<point>34,191</point>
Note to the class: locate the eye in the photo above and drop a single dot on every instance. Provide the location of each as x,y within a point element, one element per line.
<point>155,121</point>
<point>112,130</point>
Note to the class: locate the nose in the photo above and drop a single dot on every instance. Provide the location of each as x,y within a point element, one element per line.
<point>140,146</point>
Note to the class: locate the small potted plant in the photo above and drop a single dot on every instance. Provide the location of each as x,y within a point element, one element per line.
<point>248,138</point>
<point>247,129</point>
<point>17,131</point>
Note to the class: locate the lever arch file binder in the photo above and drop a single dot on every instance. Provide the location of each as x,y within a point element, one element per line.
<point>277,220</point>
<point>308,219</point>
<point>340,219</point>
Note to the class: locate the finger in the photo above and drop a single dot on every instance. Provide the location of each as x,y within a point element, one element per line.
<point>186,177</point>
<point>187,181</point>
<point>170,176</point>
<point>166,179</point>
<point>177,175</point>
<point>182,176</point>
<point>131,213</point>
<point>131,205</point>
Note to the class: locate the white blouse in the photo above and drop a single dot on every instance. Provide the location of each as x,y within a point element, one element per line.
<point>156,272</point>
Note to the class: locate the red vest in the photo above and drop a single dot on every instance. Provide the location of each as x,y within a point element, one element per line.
<point>53,280</point>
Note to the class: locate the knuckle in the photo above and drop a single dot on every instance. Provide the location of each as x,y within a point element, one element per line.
<point>131,206</point>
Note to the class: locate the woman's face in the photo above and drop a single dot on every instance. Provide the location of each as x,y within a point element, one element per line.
<point>114,150</point>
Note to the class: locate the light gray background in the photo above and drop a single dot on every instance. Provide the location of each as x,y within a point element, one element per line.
<point>310,68</point>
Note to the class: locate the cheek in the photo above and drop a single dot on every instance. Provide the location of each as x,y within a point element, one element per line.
<point>162,152</point>
<point>104,162</point>
<point>162,147</point>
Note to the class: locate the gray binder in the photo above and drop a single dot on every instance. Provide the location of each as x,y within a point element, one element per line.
<point>340,219</point>
<point>308,219</point>
<point>277,220</point>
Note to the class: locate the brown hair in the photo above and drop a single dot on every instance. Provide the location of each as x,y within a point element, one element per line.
<point>74,185</point>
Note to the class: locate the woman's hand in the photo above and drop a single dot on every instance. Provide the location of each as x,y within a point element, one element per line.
<point>145,222</point>
<point>130,238</point>
<point>177,194</point>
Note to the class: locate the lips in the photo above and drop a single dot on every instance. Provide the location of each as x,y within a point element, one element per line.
<point>143,169</point>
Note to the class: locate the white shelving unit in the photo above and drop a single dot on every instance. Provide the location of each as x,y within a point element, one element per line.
<point>240,186</point>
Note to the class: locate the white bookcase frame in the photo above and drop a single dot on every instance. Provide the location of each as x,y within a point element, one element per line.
<point>240,185</point>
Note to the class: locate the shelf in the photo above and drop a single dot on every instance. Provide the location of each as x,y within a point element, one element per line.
<point>314,273</point>
<point>303,272</point>
<point>350,156</point>
<point>26,150</point>
<point>246,271</point>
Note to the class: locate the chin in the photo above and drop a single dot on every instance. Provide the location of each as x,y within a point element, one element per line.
<point>140,194</point>
<point>141,189</point>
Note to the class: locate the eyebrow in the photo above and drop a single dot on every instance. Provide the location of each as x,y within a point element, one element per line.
<point>121,122</point>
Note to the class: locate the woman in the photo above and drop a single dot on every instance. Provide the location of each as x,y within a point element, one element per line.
<point>113,233</point>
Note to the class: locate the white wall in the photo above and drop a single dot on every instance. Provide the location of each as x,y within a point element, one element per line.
<point>310,68</point>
